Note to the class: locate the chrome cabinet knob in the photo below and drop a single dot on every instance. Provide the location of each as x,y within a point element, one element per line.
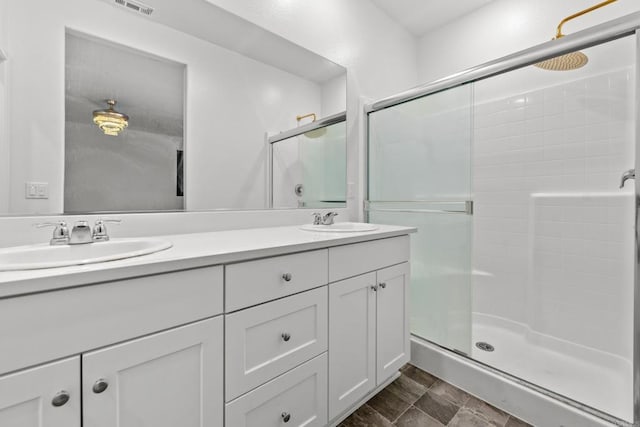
<point>383,285</point>
<point>286,336</point>
<point>374,288</point>
<point>100,386</point>
<point>287,277</point>
<point>286,417</point>
<point>60,398</point>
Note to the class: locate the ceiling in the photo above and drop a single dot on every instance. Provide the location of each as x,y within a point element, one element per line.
<point>421,16</point>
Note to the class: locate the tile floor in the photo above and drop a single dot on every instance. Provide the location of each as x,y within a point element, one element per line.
<point>418,399</point>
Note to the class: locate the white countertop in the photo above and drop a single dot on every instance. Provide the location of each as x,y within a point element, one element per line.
<point>190,251</point>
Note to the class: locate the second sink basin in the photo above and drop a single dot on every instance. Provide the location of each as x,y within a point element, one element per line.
<point>46,256</point>
<point>341,227</point>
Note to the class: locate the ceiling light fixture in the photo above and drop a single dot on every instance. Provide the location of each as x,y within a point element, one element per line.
<point>110,121</point>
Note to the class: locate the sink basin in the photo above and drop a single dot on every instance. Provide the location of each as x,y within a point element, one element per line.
<point>34,257</point>
<point>341,227</point>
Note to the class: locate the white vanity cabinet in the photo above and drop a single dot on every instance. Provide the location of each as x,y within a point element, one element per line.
<point>297,334</point>
<point>368,324</point>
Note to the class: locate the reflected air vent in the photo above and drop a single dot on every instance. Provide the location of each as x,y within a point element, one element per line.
<point>136,6</point>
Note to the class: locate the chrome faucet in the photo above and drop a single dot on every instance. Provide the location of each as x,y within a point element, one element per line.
<point>80,234</point>
<point>327,219</point>
<point>630,174</point>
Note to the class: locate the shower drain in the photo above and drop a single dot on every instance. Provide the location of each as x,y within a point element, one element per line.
<point>484,346</point>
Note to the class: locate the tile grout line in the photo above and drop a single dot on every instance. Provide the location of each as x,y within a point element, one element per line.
<point>412,405</point>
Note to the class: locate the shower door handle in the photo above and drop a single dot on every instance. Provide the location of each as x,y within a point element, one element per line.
<point>630,174</point>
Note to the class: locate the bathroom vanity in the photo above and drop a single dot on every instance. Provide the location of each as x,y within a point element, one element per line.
<point>260,327</point>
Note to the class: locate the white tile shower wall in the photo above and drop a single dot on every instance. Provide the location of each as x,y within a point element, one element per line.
<point>580,269</point>
<point>571,139</point>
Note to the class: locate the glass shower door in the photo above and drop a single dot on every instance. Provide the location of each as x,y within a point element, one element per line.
<point>420,175</point>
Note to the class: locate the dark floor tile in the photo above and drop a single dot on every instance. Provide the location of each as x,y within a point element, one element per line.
<point>407,389</point>
<point>466,418</point>
<point>516,422</point>
<point>489,413</point>
<point>414,417</point>
<point>388,404</point>
<point>451,393</point>
<point>365,416</point>
<point>419,376</point>
<point>437,407</point>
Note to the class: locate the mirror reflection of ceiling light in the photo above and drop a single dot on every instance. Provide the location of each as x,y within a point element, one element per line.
<point>110,121</point>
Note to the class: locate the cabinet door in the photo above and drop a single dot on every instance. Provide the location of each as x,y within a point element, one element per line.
<point>392,332</point>
<point>352,305</point>
<point>36,397</point>
<point>169,379</point>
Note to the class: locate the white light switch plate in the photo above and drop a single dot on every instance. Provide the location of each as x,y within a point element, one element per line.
<point>36,190</point>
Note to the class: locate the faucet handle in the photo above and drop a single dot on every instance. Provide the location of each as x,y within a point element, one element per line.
<point>317,218</point>
<point>60,232</point>
<point>100,229</point>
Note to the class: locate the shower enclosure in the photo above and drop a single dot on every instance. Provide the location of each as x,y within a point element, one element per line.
<point>524,264</point>
<point>307,165</point>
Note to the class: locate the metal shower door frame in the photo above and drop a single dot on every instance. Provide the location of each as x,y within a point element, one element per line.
<point>626,26</point>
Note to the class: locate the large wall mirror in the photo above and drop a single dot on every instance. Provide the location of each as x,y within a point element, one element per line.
<point>127,106</point>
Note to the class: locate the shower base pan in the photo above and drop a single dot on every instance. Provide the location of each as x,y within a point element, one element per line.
<point>531,403</point>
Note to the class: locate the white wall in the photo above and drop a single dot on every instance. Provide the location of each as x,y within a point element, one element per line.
<point>380,56</point>
<point>334,94</point>
<point>503,27</point>
<point>225,150</point>
<point>4,146</point>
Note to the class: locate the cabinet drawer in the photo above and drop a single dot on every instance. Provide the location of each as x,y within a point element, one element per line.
<point>265,341</point>
<point>253,282</point>
<point>300,394</point>
<point>352,260</point>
